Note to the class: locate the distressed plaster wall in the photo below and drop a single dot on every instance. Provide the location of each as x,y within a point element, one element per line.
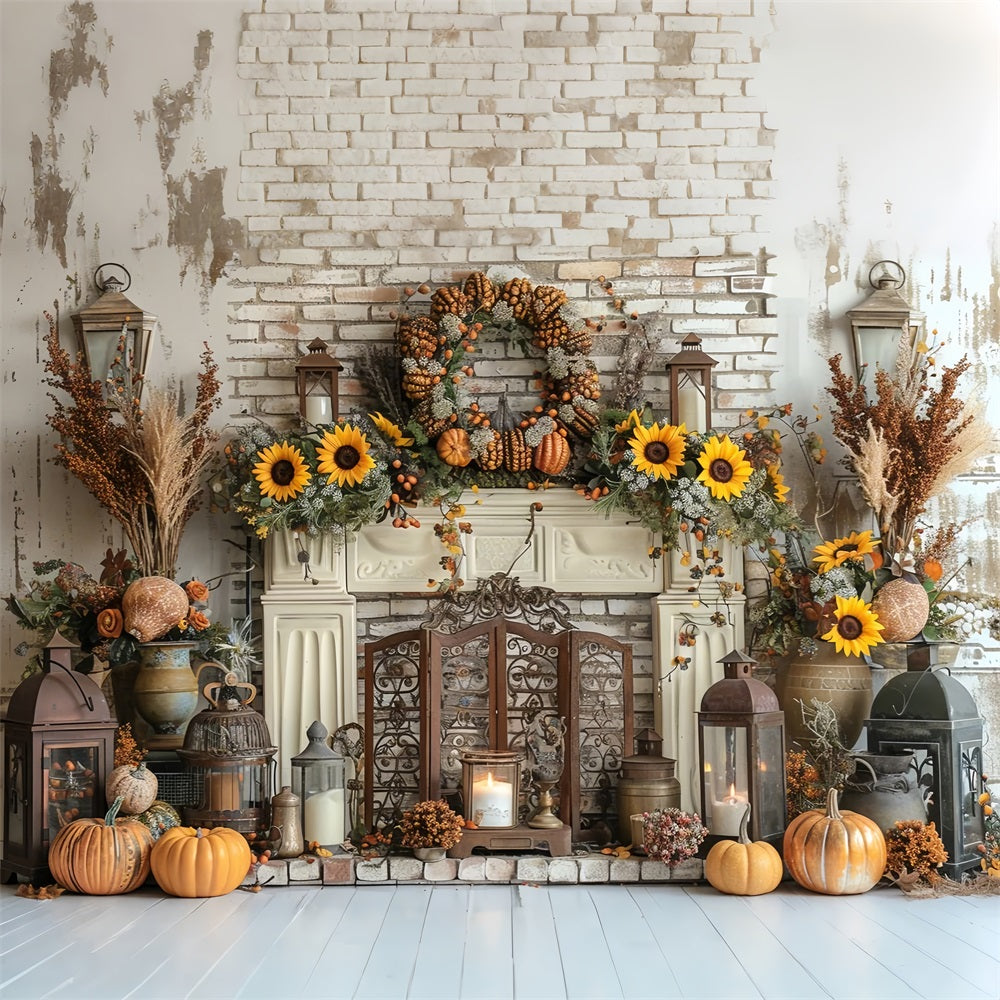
<point>271,171</point>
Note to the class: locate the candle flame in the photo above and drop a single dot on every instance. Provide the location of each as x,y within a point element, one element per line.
<point>489,779</point>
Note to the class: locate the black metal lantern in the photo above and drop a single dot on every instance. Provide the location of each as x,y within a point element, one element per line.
<point>317,376</point>
<point>741,750</point>
<point>59,747</point>
<point>690,377</point>
<point>228,754</point>
<point>882,321</point>
<point>931,714</point>
<point>103,325</point>
<point>318,780</point>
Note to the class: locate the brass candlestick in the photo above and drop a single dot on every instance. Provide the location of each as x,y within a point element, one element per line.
<point>545,742</point>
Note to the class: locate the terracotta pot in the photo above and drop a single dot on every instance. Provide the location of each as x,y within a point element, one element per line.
<point>844,681</point>
<point>165,693</point>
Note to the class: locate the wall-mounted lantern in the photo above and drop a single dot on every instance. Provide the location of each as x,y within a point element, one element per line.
<point>317,376</point>
<point>690,377</point>
<point>882,321</point>
<point>103,325</point>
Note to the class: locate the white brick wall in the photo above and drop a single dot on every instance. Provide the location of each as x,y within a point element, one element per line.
<point>392,145</point>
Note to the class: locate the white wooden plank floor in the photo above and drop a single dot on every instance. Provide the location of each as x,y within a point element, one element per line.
<point>459,942</point>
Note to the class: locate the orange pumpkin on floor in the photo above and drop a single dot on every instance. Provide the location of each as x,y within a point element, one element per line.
<point>834,852</point>
<point>741,867</point>
<point>193,863</point>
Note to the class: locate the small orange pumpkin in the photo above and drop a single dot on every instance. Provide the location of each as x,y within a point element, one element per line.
<point>552,454</point>
<point>195,863</point>
<point>834,852</point>
<point>741,867</point>
<point>101,857</point>
<point>453,447</point>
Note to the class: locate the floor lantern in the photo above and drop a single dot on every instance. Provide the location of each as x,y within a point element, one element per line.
<point>318,780</point>
<point>741,750</point>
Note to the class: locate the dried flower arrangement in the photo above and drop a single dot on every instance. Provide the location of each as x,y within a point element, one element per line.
<point>144,467</point>
<point>824,762</point>
<point>914,851</point>
<point>431,823</point>
<point>990,848</point>
<point>672,835</point>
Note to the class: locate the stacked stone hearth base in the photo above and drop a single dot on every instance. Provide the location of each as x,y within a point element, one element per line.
<point>591,869</point>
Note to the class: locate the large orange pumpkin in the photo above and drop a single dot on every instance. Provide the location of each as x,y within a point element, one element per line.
<point>193,862</point>
<point>834,852</point>
<point>101,857</point>
<point>741,867</point>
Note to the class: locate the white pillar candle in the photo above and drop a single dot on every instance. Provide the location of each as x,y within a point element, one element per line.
<point>727,815</point>
<point>324,817</point>
<point>492,801</point>
<point>319,408</point>
<point>690,407</point>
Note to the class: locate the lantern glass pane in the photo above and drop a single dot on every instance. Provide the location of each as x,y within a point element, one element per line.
<point>320,786</point>
<point>726,785</point>
<point>70,779</point>
<point>877,346</point>
<point>769,801</point>
<point>973,829</point>
<point>690,401</point>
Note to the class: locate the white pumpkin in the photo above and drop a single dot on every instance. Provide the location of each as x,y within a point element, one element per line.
<point>137,787</point>
<point>153,605</point>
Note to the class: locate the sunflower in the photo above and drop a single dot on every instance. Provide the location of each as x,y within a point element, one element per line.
<point>777,481</point>
<point>343,455</point>
<point>634,419</point>
<point>724,468</point>
<point>282,471</point>
<point>856,629</point>
<point>659,451</point>
<point>390,431</point>
<point>856,545</point>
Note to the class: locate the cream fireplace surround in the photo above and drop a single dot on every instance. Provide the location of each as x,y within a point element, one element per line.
<point>310,624</point>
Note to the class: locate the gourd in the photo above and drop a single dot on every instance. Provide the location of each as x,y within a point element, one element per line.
<point>153,605</point>
<point>835,852</point>
<point>192,862</point>
<point>158,818</point>
<point>453,447</point>
<point>743,867</point>
<point>101,857</point>
<point>552,454</point>
<point>137,787</point>
<point>516,453</point>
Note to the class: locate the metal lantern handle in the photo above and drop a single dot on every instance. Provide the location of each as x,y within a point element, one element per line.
<point>102,285</point>
<point>893,274</point>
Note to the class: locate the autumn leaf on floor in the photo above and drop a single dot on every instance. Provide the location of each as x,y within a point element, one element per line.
<point>42,892</point>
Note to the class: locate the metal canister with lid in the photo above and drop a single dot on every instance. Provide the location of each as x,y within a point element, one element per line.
<point>647,783</point>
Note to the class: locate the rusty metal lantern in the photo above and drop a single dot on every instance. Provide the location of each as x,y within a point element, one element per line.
<point>647,783</point>
<point>228,753</point>
<point>59,747</point>
<point>882,321</point>
<point>690,378</point>
<point>741,752</point>
<point>491,786</point>
<point>317,377</point>
<point>102,327</point>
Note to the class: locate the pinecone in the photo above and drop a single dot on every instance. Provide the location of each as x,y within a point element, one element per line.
<point>555,332</point>
<point>450,299</point>
<point>517,293</point>
<point>586,384</point>
<point>433,426</point>
<point>546,302</point>
<point>480,291</point>
<point>418,338</point>
<point>516,453</point>
<point>491,458</point>
<point>419,383</point>
<point>584,424</point>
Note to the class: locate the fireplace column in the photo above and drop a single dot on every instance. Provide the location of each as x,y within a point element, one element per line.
<point>679,691</point>
<point>310,641</point>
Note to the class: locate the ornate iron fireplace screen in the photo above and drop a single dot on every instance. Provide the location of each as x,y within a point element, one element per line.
<point>475,677</point>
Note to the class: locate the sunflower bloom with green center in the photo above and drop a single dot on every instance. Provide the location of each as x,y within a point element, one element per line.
<point>282,471</point>
<point>856,545</point>
<point>659,451</point>
<point>344,457</point>
<point>390,431</point>
<point>724,468</point>
<point>856,628</point>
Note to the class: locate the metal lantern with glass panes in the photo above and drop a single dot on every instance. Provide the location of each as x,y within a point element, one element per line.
<point>929,713</point>
<point>882,321</point>
<point>59,747</point>
<point>690,377</point>
<point>491,783</point>
<point>318,780</point>
<point>317,377</point>
<point>103,325</point>
<point>228,754</point>
<point>741,751</point>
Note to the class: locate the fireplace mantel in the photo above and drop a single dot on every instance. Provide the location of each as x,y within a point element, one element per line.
<point>310,610</point>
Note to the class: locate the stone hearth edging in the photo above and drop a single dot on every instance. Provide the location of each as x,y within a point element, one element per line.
<point>590,869</point>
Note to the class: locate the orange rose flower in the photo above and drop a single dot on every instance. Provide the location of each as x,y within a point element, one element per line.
<point>109,623</point>
<point>196,590</point>
<point>198,621</point>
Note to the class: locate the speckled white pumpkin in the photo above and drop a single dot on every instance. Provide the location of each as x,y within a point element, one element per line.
<point>153,605</point>
<point>902,607</point>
